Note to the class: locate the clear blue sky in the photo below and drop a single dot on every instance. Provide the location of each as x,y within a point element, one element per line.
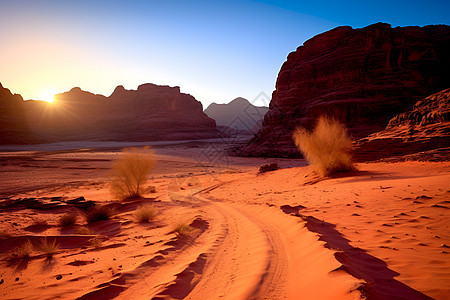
<point>214,50</point>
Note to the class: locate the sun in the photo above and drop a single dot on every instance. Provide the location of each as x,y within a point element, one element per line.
<point>48,95</point>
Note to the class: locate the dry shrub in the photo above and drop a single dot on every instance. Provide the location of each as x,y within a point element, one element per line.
<point>84,231</point>
<point>68,219</point>
<point>48,248</point>
<point>327,148</point>
<point>99,213</point>
<point>181,228</point>
<point>24,250</point>
<point>130,172</point>
<point>145,213</point>
<point>96,242</point>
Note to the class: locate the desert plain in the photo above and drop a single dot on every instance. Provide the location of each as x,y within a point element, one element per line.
<point>379,232</point>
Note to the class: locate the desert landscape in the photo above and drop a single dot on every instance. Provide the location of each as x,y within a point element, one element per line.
<point>378,233</point>
<point>161,168</point>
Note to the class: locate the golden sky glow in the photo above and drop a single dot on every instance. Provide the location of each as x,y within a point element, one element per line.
<point>48,95</point>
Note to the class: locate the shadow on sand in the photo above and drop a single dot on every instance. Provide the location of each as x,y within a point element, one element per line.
<point>380,282</point>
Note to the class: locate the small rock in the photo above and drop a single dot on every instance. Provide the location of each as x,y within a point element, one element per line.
<point>59,277</point>
<point>17,279</point>
<point>1,281</point>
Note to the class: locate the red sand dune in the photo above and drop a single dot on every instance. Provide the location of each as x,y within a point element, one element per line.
<point>380,232</point>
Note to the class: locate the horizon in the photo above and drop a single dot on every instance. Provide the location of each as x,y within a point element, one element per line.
<point>216,52</point>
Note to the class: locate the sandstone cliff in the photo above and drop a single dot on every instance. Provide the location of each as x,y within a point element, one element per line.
<point>13,124</point>
<point>425,127</point>
<point>151,112</point>
<point>363,77</point>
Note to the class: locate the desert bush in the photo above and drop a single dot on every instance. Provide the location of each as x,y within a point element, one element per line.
<point>48,248</point>
<point>24,250</point>
<point>99,213</point>
<point>181,228</point>
<point>327,147</point>
<point>68,219</point>
<point>84,231</point>
<point>96,242</point>
<point>130,172</point>
<point>145,213</point>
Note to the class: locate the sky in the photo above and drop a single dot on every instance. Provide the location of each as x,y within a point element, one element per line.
<point>214,50</point>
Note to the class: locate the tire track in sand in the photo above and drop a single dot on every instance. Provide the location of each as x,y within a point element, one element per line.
<point>248,261</point>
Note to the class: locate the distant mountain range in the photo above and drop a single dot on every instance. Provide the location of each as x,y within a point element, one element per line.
<point>152,112</point>
<point>239,114</point>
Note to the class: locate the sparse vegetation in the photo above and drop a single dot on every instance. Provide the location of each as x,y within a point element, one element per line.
<point>181,228</point>
<point>24,250</point>
<point>68,219</point>
<point>99,213</point>
<point>48,248</point>
<point>96,242</point>
<point>327,148</point>
<point>145,213</point>
<point>84,231</point>
<point>130,172</point>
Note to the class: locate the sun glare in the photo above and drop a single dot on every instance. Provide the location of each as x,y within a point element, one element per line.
<point>48,95</point>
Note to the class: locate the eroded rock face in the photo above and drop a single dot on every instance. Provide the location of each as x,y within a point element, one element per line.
<point>158,112</point>
<point>151,112</point>
<point>363,77</point>
<point>13,124</point>
<point>425,127</point>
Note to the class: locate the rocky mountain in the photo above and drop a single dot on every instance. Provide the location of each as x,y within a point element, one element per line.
<point>151,112</point>
<point>425,127</point>
<point>13,125</point>
<point>239,114</point>
<point>363,77</point>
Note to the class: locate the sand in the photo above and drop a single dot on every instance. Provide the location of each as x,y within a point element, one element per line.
<point>381,232</point>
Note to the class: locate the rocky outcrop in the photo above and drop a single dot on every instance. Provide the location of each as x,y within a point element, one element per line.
<point>239,114</point>
<point>151,112</point>
<point>13,124</point>
<point>363,77</point>
<point>157,112</point>
<point>425,127</point>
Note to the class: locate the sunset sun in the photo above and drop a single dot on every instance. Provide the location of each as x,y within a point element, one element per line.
<point>48,95</point>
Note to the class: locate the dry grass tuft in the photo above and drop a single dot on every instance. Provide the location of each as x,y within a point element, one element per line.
<point>68,219</point>
<point>181,228</point>
<point>145,213</point>
<point>327,148</point>
<point>96,242</point>
<point>84,231</point>
<point>130,172</point>
<point>49,248</point>
<point>24,250</point>
<point>99,213</point>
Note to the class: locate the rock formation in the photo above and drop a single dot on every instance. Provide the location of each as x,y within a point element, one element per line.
<point>425,127</point>
<point>13,125</point>
<point>151,112</point>
<point>363,77</point>
<point>239,114</point>
<point>157,112</point>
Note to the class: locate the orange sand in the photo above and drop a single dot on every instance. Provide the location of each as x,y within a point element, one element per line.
<point>381,232</point>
